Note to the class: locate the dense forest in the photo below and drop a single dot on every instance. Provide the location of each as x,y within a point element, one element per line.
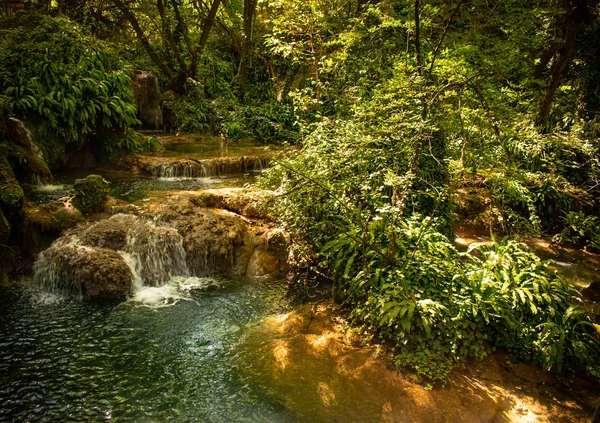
<point>401,122</point>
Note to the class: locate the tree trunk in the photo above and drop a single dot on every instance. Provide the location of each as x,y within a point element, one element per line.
<point>577,14</point>
<point>142,38</point>
<point>208,23</point>
<point>246,56</point>
<point>555,80</point>
<point>417,37</point>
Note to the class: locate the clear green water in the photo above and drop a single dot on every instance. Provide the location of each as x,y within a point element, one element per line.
<point>131,188</point>
<point>213,148</point>
<point>71,359</point>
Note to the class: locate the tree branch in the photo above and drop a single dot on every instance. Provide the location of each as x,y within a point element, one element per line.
<point>437,48</point>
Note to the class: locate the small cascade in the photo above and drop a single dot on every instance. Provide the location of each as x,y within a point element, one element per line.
<point>192,168</point>
<point>52,269</point>
<point>157,252</point>
<point>114,256</point>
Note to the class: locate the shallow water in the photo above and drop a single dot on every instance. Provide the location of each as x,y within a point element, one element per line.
<point>163,356</point>
<point>132,188</point>
<point>210,149</point>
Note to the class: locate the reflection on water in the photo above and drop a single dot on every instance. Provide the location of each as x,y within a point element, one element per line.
<point>71,359</point>
<point>131,188</point>
<point>211,149</point>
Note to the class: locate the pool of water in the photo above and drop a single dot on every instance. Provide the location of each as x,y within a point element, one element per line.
<point>214,148</point>
<point>131,188</point>
<point>165,356</point>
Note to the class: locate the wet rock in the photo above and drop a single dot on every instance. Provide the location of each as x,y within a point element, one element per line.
<point>51,217</point>
<point>270,255</point>
<point>90,193</point>
<point>592,292</point>
<point>156,252</point>
<point>147,98</point>
<point>109,233</point>
<point>42,222</point>
<point>25,156</point>
<point>95,272</point>
<point>11,193</point>
<point>215,243</point>
<point>163,167</point>
<point>262,263</point>
<point>238,200</point>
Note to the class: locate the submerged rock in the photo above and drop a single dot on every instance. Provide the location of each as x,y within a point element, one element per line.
<point>342,381</point>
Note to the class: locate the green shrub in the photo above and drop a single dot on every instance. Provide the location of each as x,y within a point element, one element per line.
<point>579,230</point>
<point>409,287</point>
<point>90,193</point>
<point>50,69</point>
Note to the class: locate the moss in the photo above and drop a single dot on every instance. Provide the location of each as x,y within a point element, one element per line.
<point>52,145</point>
<point>52,216</point>
<point>11,193</point>
<point>90,193</point>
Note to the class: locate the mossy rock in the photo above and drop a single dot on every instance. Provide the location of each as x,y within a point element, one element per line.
<point>53,217</point>
<point>11,193</point>
<point>90,193</point>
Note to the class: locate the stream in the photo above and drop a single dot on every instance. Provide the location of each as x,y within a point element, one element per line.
<point>219,349</point>
<point>164,354</point>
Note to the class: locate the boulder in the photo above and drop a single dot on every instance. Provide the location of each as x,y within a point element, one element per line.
<point>147,98</point>
<point>238,200</point>
<point>11,193</point>
<point>26,157</point>
<point>215,243</point>
<point>96,272</point>
<point>262,263</point>
<point>51,217</point>
<point>109,233</point>
<point>90,193</point>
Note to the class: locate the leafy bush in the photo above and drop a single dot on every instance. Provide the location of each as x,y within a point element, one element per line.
<point>580,229</point>
<point>408,286</point>
<point>116,144</point>
<point>369,212</point>
<point>50,69</point>
<point>197,113</point>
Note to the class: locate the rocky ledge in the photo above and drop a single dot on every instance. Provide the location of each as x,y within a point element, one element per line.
<point>177,234</point>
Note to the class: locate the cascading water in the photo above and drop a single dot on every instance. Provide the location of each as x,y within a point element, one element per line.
<point>124,252</point>
<point>157,252</point>
<point>192,168</point>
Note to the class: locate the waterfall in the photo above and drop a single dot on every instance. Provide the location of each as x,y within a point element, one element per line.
<point>117,255</point>
<point>207,168</point>
<point>157,252</point>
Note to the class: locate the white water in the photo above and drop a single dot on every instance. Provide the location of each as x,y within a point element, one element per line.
<point>154,254</point>
<point>209,168</point>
